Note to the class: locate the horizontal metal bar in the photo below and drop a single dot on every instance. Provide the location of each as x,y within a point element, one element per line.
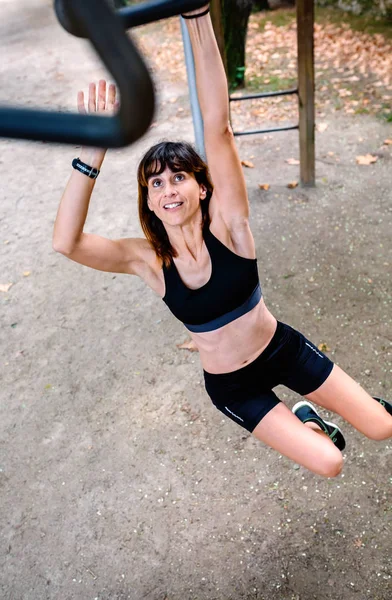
<point>129,16</point>
<point>288,128</point>
<point>264,95</point>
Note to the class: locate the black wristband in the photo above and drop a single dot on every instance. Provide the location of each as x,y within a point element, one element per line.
<point>202,14</point>
<point>85,169</point>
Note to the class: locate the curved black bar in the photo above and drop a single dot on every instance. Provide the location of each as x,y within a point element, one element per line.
<point>130,16</point>
<point>130,73</point>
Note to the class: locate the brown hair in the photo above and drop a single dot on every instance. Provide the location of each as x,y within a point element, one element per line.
<point>178,156</point>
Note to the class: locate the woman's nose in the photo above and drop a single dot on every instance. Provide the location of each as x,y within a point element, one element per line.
<point>170,190</point>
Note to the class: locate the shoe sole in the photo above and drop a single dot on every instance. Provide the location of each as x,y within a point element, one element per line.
<point>333,425</point>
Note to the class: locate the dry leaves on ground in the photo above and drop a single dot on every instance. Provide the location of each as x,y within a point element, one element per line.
<point>188,345</point>
<point>323,347</point>
<point>247,163</point>
<point>4,287</point>
<point>292,161</point>
<point>368,159</point>
<point>351,68</point>
<point>264,186</point>
<point>292,185</point>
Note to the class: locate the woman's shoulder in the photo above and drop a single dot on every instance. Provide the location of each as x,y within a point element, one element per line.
<point>239,238</point>
<point>149,267</point>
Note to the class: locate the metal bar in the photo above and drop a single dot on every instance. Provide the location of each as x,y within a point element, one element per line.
<point>288,128</point>
<point>263,95</point>
<point>128,69</point>
<point>129,16</point>
<point>194,101</point>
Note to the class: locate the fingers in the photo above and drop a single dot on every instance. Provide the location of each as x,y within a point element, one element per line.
<point>101,95</point>
<point>80,103</point>
<point>101,100</point>
<point>112,96</point>
<point>92,97</point>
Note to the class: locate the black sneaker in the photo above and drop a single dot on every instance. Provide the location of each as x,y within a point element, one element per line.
<point>385,404</point>
<point>306,412</point>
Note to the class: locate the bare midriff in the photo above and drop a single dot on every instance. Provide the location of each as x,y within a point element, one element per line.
<point>238,343</point>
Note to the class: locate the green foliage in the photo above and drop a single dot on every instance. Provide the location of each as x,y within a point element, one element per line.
<point>360,7</point>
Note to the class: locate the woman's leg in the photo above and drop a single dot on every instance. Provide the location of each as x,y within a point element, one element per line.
<point>342,395</point>
<point>284,432</point>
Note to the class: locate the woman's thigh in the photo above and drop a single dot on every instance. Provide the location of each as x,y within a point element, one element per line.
<point>284,432</point>
<point>344,396</point>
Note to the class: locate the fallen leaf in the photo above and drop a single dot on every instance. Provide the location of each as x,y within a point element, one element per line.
<point>368,159</point>
<point>6,242</point>
<point>388,142</point>
<point>322,127</point>
<point>358,543</point>
<point>4,287</point>
<point>26,273</point>
<point>247,163</point>
<point>292,161</point>
<point>292,185</point>
<point>264,186</point>
<point>323,347</point>
<point>188,345</point>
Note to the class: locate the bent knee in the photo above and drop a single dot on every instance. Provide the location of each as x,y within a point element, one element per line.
<point>381,431</point>
<point>331,464</point>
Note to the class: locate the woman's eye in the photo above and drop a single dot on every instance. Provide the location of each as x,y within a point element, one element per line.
<point>179,177</point>
<point>156,183</point>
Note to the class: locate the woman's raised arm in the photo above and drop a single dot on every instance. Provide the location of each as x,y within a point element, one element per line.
<point>69,238</point>
<point>222,156</point>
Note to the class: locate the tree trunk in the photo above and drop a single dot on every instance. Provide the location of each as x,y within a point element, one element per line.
<point>235,16</point>
<point>260,5</point>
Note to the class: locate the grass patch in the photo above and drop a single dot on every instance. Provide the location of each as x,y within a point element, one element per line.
<point>279,18</point>
<point>275,84</point>
<point>323,15</point>
<point>363,23</point>
<point>361,111</point>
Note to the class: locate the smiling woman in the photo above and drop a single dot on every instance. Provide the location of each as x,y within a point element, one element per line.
<point>198,254</point>
<point>180,164</point>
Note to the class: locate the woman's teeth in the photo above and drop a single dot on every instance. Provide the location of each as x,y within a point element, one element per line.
<point>173,205</point>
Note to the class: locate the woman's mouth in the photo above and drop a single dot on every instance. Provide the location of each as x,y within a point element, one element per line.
<point>172,205</point>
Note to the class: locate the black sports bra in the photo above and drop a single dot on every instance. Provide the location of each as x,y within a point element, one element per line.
<point>232,290</point>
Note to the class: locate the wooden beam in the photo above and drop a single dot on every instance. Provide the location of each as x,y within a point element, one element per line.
<point>306,94</point>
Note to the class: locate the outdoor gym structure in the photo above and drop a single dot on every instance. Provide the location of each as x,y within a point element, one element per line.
<point>106,30</point>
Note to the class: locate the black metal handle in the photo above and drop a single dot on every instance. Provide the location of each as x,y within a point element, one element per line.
<point>120,56</point>
<point>130,16</point>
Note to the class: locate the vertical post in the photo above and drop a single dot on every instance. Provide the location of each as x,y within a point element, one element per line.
<point>305,38</point>
<point>195,107</point>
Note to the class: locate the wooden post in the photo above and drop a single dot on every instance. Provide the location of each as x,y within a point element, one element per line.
<point>305,38</point>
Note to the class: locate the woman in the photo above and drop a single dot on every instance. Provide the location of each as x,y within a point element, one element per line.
<point>199,256</point>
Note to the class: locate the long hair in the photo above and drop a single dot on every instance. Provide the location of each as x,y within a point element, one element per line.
<point>178,156</point>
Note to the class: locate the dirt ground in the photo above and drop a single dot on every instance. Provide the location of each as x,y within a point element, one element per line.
<point>119,479</point>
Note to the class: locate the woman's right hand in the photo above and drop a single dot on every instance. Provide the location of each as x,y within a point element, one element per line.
<point>104,103</point>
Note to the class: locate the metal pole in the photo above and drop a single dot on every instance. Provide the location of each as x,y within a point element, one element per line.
<point>195,107</point>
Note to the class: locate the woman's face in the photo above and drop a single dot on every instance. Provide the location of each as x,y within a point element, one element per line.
<point>174,196</point>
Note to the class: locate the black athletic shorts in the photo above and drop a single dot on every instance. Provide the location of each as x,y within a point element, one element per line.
<point>290,359</point>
